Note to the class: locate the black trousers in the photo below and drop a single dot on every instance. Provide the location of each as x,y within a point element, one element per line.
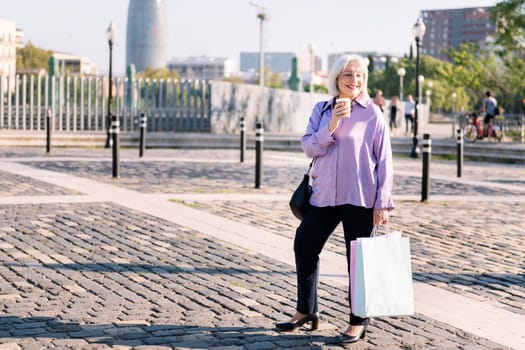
<point>311,235</point>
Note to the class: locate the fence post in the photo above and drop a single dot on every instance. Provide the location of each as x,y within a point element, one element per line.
<point>459,151</point>
<point>427,149</point>
<point>259,138</point>
<point>243,139</point>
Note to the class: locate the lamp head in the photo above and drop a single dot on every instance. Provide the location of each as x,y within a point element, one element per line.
<point>401,72</point>
<point>110,32</point>
<point>262,15</point>
<point>419,29</point>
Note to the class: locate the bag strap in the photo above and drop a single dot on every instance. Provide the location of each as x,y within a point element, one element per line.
<point>310,167</point>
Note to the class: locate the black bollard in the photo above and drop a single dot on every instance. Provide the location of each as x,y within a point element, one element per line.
<point>259,138</point>
<point>243,139</point>
<point>115,130</point>
<point>142,146</point>
<point>427,149</point>
<point>49,126</point>
<point>460,151</point>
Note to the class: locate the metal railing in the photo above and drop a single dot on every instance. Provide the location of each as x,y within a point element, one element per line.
<point>80,103</point>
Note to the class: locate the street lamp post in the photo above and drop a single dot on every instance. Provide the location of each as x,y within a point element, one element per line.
<point>110,32</point>
<point>420,79</point>
<point>113,127</point>
<point>401,72</point>
<point>261,15</point>
<point>419,32</point>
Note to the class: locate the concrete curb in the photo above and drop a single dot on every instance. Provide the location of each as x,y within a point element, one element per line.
<point>503,152</point>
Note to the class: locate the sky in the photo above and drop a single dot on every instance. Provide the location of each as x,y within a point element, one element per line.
<point>224,28</point>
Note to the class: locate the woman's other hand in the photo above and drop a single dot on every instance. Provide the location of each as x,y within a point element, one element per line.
<point>380,217</point>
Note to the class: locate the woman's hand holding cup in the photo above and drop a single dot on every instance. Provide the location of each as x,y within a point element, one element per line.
<point>341,110</point>
<point>343,107</point>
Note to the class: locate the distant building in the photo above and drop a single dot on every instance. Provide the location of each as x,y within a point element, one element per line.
<point>69,64</point>
<point>10,40</point>
<point>211,68</point>
<point>147,34</point>
<point>448,28</point>
<point>305,63</point>
<point>380,59</point>
<point>279,62</point>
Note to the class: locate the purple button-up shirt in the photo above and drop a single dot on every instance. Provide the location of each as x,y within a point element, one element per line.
<point>354,165</point>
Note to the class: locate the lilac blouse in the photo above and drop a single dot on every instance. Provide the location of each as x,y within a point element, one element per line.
<point>354,165</point>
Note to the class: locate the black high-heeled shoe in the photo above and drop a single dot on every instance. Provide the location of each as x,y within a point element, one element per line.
<point>348,339</point>
<point>291,326</point>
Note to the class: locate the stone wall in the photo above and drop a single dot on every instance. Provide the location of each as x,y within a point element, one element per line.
<point>283,111</point>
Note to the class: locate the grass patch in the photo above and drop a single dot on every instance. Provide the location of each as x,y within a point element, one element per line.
<point>194,205</point>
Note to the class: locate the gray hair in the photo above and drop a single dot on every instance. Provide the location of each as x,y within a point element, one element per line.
<point>339,66</point>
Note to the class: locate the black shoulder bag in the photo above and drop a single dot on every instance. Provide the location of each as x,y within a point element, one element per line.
<point>300,200</point>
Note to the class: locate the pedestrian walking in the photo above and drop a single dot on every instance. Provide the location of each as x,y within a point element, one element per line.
<point>352,183</point>
<point>410,112</point>
<point>379,99</point>
<point>394,108</point>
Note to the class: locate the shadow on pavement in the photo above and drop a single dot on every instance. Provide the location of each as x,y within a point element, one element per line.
<point>116,267</point>
<point>188,336</point>
<point>484,279</point>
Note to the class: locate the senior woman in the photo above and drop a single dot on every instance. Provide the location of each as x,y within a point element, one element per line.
<point>352,180</point>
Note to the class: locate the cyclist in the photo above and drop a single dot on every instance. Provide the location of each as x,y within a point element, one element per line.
<point>490,105</point>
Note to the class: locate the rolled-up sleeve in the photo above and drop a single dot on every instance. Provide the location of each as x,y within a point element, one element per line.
<point>317,139</point>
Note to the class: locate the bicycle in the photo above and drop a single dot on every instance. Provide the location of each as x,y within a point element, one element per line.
<point>474,131</point>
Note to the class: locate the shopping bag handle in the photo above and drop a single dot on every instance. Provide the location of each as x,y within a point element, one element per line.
<point>376,231</point>
<point>387,233</point>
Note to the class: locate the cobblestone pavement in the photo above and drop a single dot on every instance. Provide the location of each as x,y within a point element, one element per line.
<point>99,275</point>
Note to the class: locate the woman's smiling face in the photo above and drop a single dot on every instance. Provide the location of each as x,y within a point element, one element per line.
<point>350,81</point>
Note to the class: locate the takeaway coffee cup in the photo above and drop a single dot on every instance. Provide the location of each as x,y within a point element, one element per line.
<point>348,103</point>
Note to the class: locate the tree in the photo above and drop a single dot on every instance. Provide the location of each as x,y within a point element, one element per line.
<point>467,69</point>
<point>32,57</point>
<point>158,73</point>
<point>234,79</point>
<point>509,18</point>
<point>275,80</point>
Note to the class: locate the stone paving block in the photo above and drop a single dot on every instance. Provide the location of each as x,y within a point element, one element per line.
<point>16,185</point>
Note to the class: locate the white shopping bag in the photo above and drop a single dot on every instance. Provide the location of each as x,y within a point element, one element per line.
<point>382,277</point>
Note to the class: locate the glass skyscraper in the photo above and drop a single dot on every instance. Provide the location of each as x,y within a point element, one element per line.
<point>147,34</point>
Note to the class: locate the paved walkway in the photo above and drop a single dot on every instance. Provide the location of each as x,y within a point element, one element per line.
<point>182,252</point>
